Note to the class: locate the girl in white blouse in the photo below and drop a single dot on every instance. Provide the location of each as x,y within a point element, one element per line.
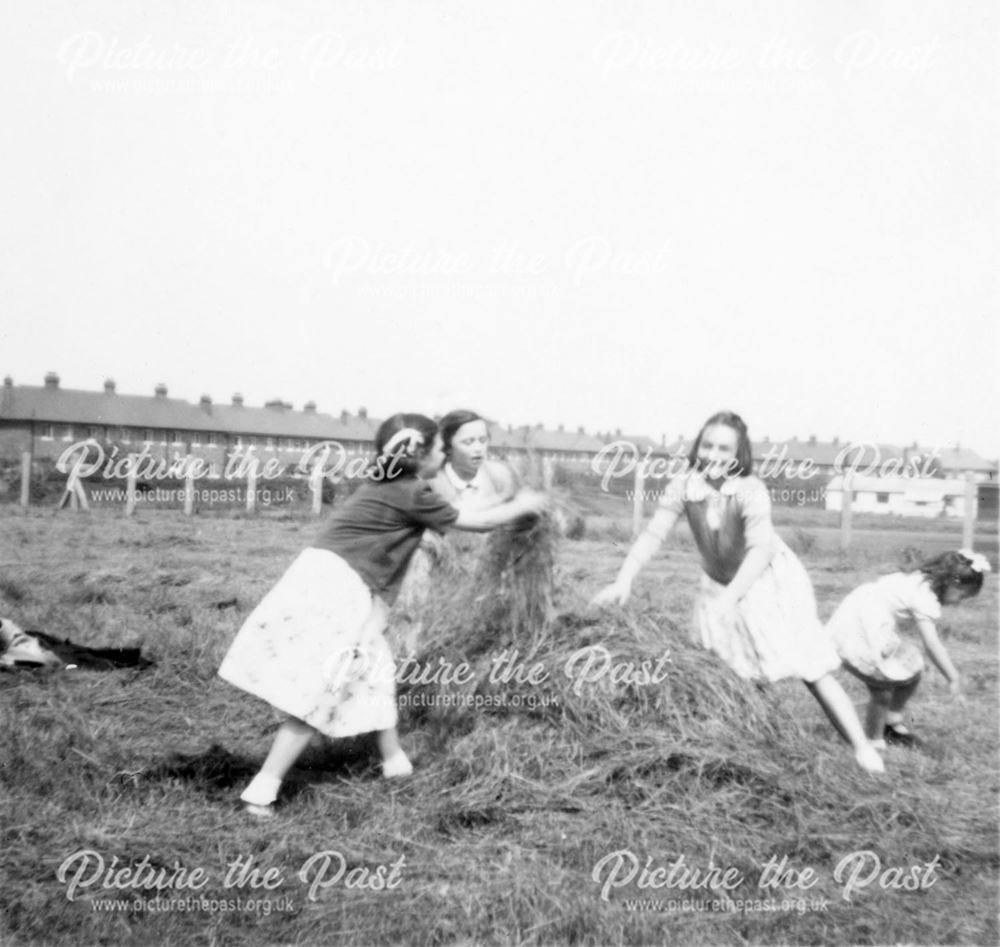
<point>866,632</point>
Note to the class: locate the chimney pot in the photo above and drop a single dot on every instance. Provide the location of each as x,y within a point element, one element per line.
<point>580,430</point>
<point>8,382</point>
<point>362,412</point>
<point>161,390</point>
<point>309,406</point>
<point>109,386</point>
<point>51,380</point>
<point>237,400</point>
<point>344,416</point>
<point>206,401</point>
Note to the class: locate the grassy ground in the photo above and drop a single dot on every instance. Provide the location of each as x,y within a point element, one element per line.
<point>509,829</point>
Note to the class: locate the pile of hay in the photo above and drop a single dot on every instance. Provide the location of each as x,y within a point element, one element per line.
<point>533,650</point>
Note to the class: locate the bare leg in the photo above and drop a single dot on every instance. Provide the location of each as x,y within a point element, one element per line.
<point>900,696</point>
<point>838,707</point>
<point>292,738</point>
<point>878,708</point>
<point>828,710</point>
<point>394,760</point>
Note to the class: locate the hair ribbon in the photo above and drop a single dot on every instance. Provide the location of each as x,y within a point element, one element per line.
<point>409,436</point>
<point>977,560</point>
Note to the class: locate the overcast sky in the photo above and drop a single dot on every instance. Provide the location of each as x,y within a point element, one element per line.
<point>611,214</point>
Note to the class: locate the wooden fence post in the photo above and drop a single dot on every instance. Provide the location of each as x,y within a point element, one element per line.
<point>638,498</point>
<point>970,512</point>
<point>847,498</point>
<point>252,488</point>
<point>131,488</point>
<point>316,485</point>
<point>189,488</point>
<point>26,478</point>
<point>548,474</point>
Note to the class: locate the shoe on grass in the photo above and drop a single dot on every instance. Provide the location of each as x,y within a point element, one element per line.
<point>258,811</point>
<point>897,734</point>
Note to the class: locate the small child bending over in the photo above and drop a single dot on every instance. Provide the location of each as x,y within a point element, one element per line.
<point>314,647</point>
<point>756,610</point>
<point>866,631</point>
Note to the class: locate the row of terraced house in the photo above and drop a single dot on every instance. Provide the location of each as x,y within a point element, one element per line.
<point>44,420</point>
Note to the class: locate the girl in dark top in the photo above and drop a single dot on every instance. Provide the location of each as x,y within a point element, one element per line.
<point>314,646</point>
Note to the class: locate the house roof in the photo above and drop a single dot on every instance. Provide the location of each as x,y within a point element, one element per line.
<point>860,453</point>
<point>643,443</point>
<point>52,404</point>
<point>961,458</point>
<point>540,438</point>
<point>924,488</point>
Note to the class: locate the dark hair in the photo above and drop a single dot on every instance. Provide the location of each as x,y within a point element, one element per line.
<point>401,462</point>
<point>450,424</point>
<point>743,462</point>
<point>951,569</point>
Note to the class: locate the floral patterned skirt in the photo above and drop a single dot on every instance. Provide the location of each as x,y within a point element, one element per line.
<point>775,631</point>
<point>314,648</point>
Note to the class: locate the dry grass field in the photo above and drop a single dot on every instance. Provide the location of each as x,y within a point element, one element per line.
<point>589,805</point>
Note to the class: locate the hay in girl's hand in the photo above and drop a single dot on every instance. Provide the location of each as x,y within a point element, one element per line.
<point>514,580</point>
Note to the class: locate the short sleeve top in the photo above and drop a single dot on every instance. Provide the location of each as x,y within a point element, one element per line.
<point>378,529</point>
<point>867,623</point>
<point>909,596</point>
<point>725,522</point>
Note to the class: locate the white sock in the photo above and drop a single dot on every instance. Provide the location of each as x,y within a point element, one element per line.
<point>397,765</point>
<point>262,791</point>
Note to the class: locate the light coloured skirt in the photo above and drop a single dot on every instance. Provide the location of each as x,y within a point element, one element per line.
<point>866,636</point>
<point>901,666</point>
<point>314,648</point>
<point>775,631</point>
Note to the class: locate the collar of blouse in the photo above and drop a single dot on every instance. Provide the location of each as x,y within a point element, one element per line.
<point>698,489</point>
<point>460,485</point>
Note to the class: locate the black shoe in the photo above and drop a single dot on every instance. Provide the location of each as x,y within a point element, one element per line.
<point>897,735</point>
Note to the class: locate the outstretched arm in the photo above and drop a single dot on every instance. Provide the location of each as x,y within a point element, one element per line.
<point>641,552</point>
<point>479,521</point>
<point>939,653</point>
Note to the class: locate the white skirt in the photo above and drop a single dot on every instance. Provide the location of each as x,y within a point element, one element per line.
<point>313,648</point>
<point>775,631</point>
